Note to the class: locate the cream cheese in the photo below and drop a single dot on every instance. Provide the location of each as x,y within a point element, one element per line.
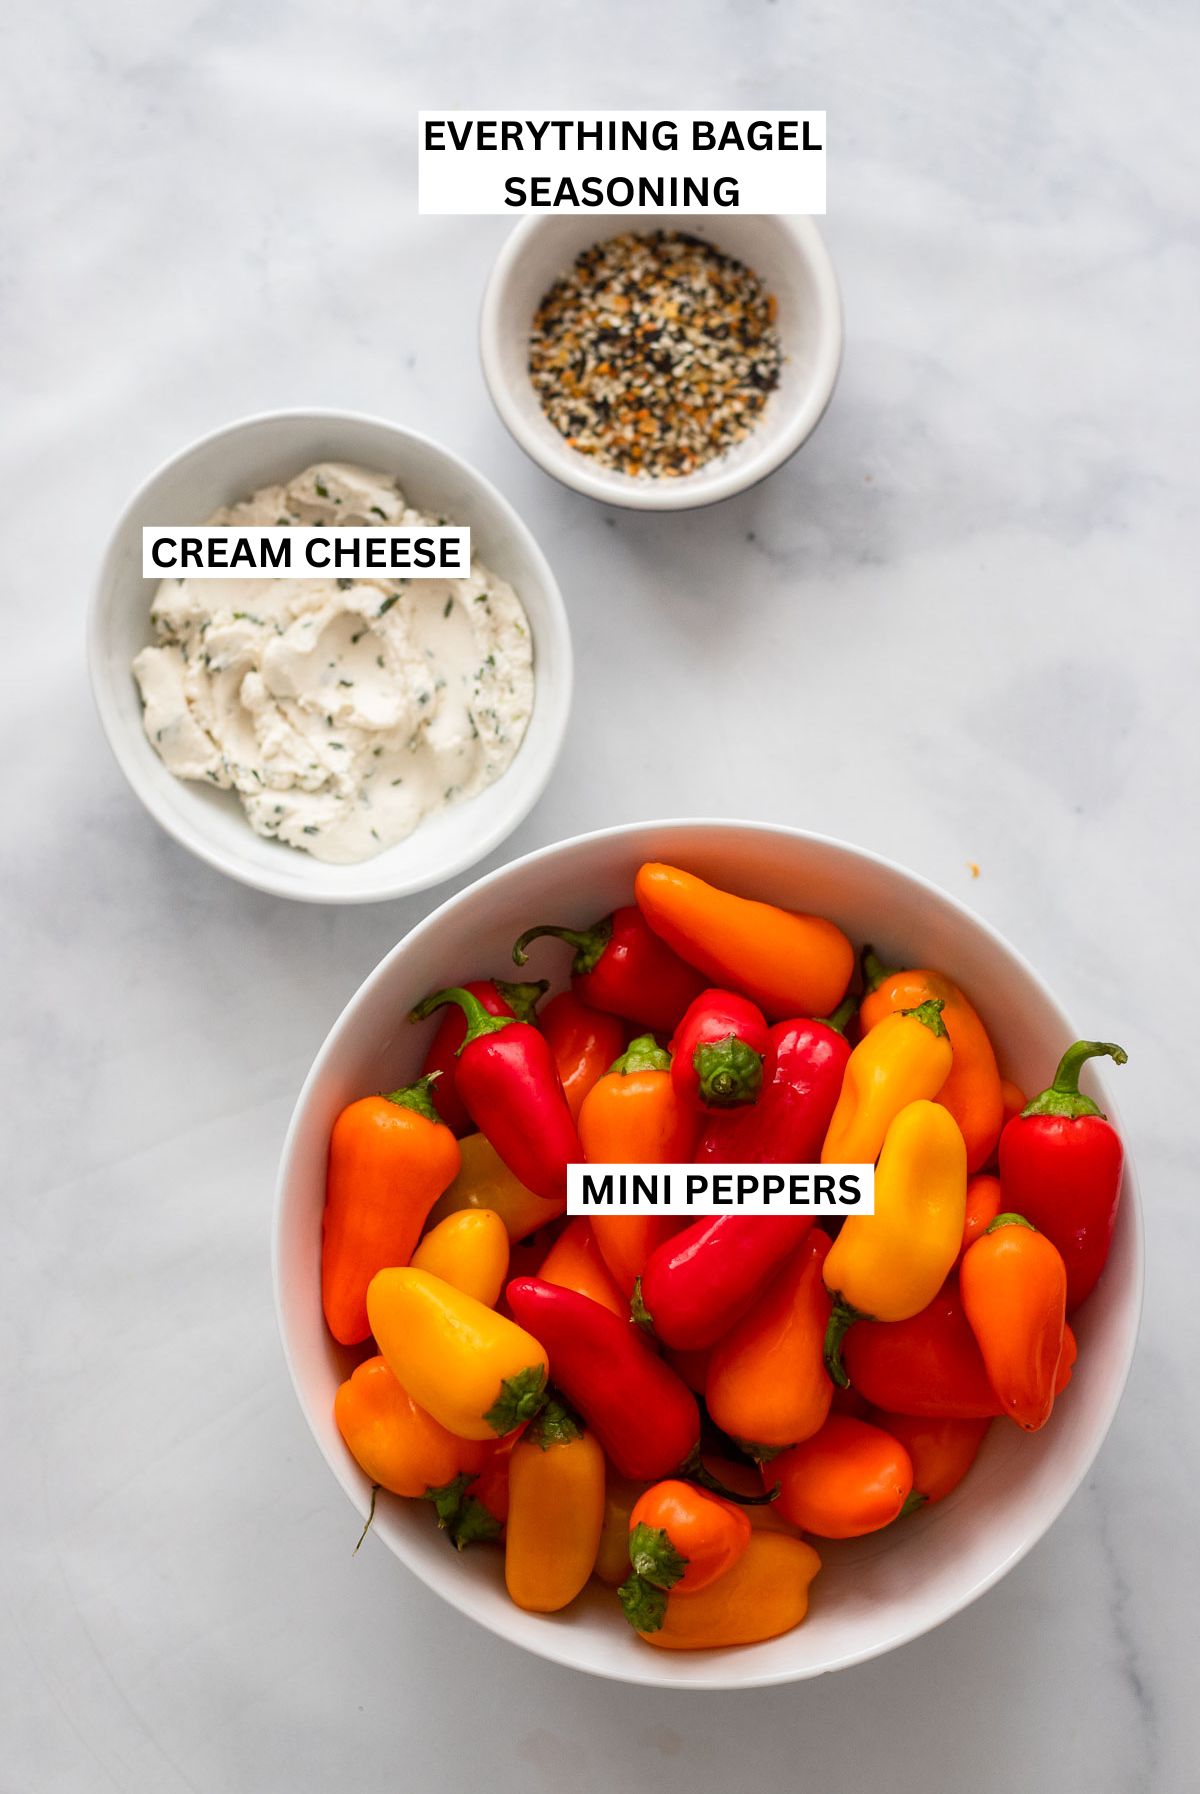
<point>341,710</point>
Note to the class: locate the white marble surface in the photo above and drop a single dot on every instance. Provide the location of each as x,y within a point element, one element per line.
<point>955,629</point>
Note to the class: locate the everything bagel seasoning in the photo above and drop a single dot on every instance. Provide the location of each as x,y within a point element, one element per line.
<point>655,354</point>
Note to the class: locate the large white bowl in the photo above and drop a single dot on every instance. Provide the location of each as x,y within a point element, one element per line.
<point>873,1594</point>
<point>789,256</point>
<point>229,465</point>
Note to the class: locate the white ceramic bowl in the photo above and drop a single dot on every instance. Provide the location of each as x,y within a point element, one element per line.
<point>872,1594</point>
<point>793,263</point>
<point>232,463</point>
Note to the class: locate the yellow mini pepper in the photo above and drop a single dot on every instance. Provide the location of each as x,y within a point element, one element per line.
<point>890,1265</point>
<point>906,1058</point>
<point>485,1181</point>
<point>555,1511</point>
<point>475,1371</point>
<point>470,1250</point>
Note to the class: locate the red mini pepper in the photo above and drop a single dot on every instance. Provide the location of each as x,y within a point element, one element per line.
<point>498,998</point>
<point>699,1284</point>
<point>622,966</point>
<point>802,1080</point>
<point>928,1365</point>
<point>584,1041</point>
<point>645,1417</point>
<point>510,1084</point>
<point>1060,1167</point>
<point>717,1050</point>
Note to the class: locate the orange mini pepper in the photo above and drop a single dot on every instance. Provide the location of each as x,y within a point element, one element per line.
<point>634,1115</point>
<point>680,1539</point>
<point>983,1205</point>
<point>849,1479</point>
<point>767,1383</point>
<point>942,1451</point>
<point>763,1595</point>
<point>470,1250</point>
<point>584,1042</point>
<point>394,1442</point>
<point>1014,1293</point>
<point>390,1158</point>
<point>972,1090</point>
<point>789,963</point>
<point>575,1262</point>
<point>473,1369</point>
<point>627,1241</point>
<point>555,1511</point>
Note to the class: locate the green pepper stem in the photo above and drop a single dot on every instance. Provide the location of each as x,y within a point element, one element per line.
<point>929,1014</point>
<point>479,1022</point>
<point>642,1054</point>
<point>842,1016</point>
<point>522,999</point>
<point>692,1470</point>
<point>1064,1096</point>
<point>841,1320</point>
<point>416,1096</point>
<point>730,1071</point>
<point>873,970</point>
<point>589,943</point>
<point>1009,1220</point>
<point>914,1501</point>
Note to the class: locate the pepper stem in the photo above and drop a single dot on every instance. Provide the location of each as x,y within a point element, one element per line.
<point>842,1016</point>
<point>479,1022</point>
<point>416,1096</point>
<point>729,1070</point>
<point>841,1320</point>
<point>642,1054</point>
<point>1009,1220</point>
<point>873,970</point>
<point>589,943</point>
<point>914,1501</point>
<point>692,1470</point>
<point>1064,1096</point>
<point>522,999</point>
<point>929,1014</point>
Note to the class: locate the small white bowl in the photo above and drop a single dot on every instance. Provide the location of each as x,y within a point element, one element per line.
<point>232,463</point>
<point>793,263</point>
<point>872,1594</point>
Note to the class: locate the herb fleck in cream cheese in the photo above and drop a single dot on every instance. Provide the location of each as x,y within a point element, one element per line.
<point>341,711</point>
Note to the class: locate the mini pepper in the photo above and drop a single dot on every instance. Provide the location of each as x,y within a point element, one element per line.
<point>890,1265</point>
<point>790,963</point>
<point>1060,1167</point>
<point>498,998</point>
<point>1014,1294</point>
<point>475,1371</point>
<point>803,1067</point>
<point>390,1158</point>
<point>509,1082</point>
<point>717,1050</point>
<point>622,967</point>
<point>905,1059</point>
<point>972,1090</point>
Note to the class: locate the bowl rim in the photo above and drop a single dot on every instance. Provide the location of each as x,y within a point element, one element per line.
<point>573,470</point>
<point>476,845</point>
<point>720,1678</point>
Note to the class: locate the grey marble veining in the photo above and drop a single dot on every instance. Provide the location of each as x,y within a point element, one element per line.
<point>958,627</point>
